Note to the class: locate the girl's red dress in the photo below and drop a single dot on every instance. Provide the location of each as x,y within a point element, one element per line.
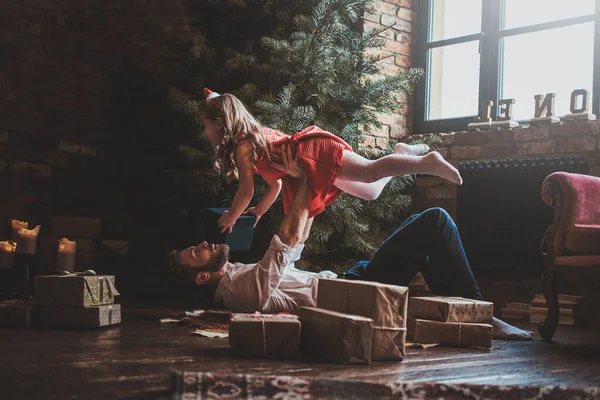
<point>320,154</point>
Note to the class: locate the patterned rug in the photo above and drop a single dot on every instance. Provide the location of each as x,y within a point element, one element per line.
<point>198,385</point>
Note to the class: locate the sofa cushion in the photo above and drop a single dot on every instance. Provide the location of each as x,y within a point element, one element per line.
<point>577,261</point>
<point>583,239</point>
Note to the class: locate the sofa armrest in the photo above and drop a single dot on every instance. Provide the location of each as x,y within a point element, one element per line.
<point>575,199</point>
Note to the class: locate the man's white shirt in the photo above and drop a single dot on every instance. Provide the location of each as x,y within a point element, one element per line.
<point>272,285</point>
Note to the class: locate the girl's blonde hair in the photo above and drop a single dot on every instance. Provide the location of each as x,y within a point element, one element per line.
<point>239,124</point>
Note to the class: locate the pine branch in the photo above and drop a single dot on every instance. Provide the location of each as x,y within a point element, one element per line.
<point>312,67</point>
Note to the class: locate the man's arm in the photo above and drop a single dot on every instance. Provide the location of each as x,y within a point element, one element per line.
<point>254,288</point>
<point>293,226</point>
<point>300,246</point>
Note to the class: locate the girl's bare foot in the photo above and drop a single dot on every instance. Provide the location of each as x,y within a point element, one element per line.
<point>442,168</point>
<point>411,149</point>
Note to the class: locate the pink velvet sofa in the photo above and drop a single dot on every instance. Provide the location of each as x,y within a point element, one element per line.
<point>573,239</point>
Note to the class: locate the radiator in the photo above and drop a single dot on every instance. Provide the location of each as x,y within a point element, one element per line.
<point>501,216</point>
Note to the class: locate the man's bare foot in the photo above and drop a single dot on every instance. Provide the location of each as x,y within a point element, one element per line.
<point>442,168</point>
<point>411,149</point>
<point>504,331</point>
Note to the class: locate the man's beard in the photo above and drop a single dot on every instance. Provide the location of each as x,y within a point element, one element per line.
<point>219,260</point>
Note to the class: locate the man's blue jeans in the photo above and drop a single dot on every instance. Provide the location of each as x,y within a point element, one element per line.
<point>428,242</point>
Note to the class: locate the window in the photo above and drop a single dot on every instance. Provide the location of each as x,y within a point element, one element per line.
<point>478,50</point>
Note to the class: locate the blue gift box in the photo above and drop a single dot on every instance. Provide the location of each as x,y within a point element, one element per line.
<point>240,238</point>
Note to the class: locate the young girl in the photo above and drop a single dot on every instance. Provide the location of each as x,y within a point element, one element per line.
<point>244,148</point>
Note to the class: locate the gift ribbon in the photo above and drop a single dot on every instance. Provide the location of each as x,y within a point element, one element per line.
<point>383,328</point>
<point>262,318</point>
<point>379,328</point>
<point>111,287</point>
<point>474,304</point>
<point>110,314</point>
<point>475,319</point>
<point>67,274</point>
<point>264,335</point>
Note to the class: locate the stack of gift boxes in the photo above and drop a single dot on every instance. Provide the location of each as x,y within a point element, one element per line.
<point>61,296</point>
<point>360,322</point>
<point>354,322</point>
<point>79,300</point>
<point>450,321</point>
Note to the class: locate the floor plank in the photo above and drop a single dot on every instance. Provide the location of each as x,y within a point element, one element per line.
<point>134,360</point>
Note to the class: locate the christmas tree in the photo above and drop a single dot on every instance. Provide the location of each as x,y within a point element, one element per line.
<point>217,31</point>
<point>299,64</point>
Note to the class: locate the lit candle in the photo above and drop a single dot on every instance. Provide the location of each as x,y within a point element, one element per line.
<point>27,240</point>
<point>26,261</point>
<point>16,225</point>
<point>65,260</point>
<point>7,254</point>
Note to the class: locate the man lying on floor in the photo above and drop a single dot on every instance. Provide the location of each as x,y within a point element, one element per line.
<point>428,242</point>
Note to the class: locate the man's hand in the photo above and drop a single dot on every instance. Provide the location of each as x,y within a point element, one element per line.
<point>226,222</point>
<point>290,166</point>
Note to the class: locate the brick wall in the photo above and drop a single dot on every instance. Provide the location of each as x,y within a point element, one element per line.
<point>399,47</point>
<point>82,90</point>
<point>568,138</point>
<point>66,67</point>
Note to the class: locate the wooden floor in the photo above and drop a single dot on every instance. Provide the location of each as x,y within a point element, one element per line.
<point>135,359</point>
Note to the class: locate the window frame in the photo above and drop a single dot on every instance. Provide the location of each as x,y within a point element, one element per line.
<point>490,66</point>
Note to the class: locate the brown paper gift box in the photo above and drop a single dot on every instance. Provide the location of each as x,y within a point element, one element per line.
<point>84,317</point>
<point>75,290</point>
<point>267,336</point>
<point>450,309</point>
<point>456,334</point>
<point>410,326</point>
<point>386,305</point>
<point>16,314</point>
<point>336,337</point>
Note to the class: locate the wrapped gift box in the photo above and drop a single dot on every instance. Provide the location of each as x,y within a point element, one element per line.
<point>16,314</point>
<point>84,317</point>
<point>410,326</point>
<point>450,309</point>
<point>386,305</point>
<point>240,238</point>
<point>264,335</point>
<point>456,334</point>
<point>336,337</point>
<point>75,227</point>
<point>75,290</point>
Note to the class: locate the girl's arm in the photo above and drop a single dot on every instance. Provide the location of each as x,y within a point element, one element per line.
<point>267,199</point>
<point>243,196</point>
